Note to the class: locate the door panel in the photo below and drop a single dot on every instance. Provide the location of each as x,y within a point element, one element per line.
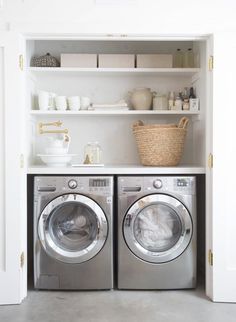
<point>157,228</point>
<point>224,171</point>
<point>72,228</point>
<point>2,165</point>
<point>209,181</point>
<point>12,175</point>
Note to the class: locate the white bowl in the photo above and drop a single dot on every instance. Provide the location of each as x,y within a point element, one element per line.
<point>56,160</point>
<point>56,150</point>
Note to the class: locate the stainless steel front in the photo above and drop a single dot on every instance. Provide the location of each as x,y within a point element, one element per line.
<point>179,243</point>
<point>61,250</point>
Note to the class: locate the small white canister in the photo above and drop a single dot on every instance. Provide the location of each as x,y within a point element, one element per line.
<point>160,102</point>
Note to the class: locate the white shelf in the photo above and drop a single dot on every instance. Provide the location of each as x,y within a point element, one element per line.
<point>130,112</point>
<point>117,169</point>
<point>115,71</point>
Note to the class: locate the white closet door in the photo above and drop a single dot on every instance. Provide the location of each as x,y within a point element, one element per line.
<point>223,271</point>
<point>12,173</point>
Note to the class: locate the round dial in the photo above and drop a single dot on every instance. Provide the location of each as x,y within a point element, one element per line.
<point>72,184</point>
<point>157,183</point>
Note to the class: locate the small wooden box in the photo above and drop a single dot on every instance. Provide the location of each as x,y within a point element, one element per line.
<point>154,61</point>
<point>79,60</point>
<point>116,61</point>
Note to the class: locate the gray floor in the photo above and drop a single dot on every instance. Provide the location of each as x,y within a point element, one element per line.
<point>117,306</point>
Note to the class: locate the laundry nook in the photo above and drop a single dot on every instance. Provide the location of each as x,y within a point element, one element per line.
<point>117,161</point>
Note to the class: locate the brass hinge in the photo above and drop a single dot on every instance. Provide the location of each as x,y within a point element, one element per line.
<point>22,161</point>
<point>210,63</point>
<point>22,259</point>
<point>210,161</point>
<point>21,62</point>
<point>210,257</point>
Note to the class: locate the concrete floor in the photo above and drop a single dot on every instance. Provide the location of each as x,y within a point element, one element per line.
<point>118,306</point>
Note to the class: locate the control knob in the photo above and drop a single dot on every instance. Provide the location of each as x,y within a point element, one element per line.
<point>72,184</point>
<point>157,184</point>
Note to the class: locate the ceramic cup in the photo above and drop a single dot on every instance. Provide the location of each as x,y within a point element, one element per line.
<point>74,103</point>
<point>61,103</point>
<point>46,100</point>
<point>85,103</point>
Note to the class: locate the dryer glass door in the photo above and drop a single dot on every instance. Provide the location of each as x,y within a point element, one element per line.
<point>157,228</point>
<point>72,228</point>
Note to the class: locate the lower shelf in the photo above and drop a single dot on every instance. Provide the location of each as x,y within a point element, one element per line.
<point>117,169</point>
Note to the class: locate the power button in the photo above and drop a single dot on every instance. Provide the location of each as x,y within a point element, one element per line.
<point>157,184</point>
<point>72,184</point>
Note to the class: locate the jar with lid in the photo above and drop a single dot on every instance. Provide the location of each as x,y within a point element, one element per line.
<point>171,100</point>
<point>178,104</point>
<point>189,58</point>
<point>96,153</point>
<point>186,104</point>
<point>88,153</point>
<point>178,59</point>
<point>160,102</point>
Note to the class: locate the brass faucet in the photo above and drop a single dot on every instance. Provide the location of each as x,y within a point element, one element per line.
<point>56,124</point>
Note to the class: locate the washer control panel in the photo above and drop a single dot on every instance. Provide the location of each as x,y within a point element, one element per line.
<point>98,185</point>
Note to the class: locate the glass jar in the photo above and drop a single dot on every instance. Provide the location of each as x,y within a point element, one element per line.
<point>186,104</point>
<point>178,59</point>
<point>178,104</point>
<point>189,58</point>
<point>160,102</point>
<point>88,153</point>
<point>96,152</point>
<point>171,100</point>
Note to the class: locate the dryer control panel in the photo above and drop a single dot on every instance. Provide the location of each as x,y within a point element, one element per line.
<point>167,184</point>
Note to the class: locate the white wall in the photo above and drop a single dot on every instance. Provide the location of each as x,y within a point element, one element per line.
<point>144,16</point>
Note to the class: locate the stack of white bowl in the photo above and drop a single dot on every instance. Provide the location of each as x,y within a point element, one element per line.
<point>56,153</point>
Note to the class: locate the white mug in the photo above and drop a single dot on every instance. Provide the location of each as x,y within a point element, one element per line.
<point>61,103</point>
<point>74,103</point>
<point>46,100</point>
<point>85,103</point>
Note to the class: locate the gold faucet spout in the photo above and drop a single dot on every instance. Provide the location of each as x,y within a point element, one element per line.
<point>56,124</point>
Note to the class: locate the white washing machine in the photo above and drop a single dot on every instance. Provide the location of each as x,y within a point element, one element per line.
<point>73,232</point>
<point>156,232</point>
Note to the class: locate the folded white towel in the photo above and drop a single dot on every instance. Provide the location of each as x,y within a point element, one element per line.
<point>114,106</point>
<point>108,108</point>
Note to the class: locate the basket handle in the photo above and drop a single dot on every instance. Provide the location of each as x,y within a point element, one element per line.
<point>183,123</point>
<point>137,124</point>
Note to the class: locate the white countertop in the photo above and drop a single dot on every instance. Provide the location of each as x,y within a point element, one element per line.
<point>117,169</point>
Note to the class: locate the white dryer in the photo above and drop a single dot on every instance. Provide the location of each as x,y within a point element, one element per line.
<point>73,232</point>
<point>156,232</point>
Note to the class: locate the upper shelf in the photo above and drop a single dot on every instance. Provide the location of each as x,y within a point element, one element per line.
<point>129,112</point>
<point>116,71</point>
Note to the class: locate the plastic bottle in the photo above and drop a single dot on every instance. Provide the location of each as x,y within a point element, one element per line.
<point>178,59</point>
<point>186,99</point>
<point>193,101</point>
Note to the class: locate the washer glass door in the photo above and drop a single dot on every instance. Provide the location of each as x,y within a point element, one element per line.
<point>72,228</point>
<point>157,228</point>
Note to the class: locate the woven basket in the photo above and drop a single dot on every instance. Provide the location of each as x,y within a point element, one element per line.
<point>160,144</point>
